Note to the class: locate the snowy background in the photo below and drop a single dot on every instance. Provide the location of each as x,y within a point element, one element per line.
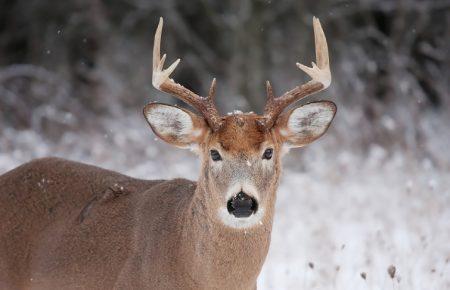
<point>372,193</point>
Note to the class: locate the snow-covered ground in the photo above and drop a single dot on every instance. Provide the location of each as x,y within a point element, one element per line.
<point>339,217</point>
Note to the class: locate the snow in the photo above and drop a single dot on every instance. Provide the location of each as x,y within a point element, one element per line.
<point>235,112</point>
<point>340,211</point>
<point>361,221</point>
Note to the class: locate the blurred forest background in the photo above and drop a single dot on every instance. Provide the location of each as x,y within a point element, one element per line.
<point>65,63</point>
<point>75,75</point>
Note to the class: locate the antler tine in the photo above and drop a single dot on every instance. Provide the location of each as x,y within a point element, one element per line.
<point>321,79</point>
<point>212,89</point>
<point>269,92</point>
<point>214,119</point>
<point>161,81</point>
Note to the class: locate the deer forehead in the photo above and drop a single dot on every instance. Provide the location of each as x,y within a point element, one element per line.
<point>240,133</point>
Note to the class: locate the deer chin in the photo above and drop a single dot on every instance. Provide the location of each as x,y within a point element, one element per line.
<point>228,219</point>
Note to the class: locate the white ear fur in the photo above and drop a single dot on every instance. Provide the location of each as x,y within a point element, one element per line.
<point>305,124</point>
<point>174,125</point>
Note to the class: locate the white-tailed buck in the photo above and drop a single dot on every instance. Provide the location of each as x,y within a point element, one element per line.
<point>66,225</point>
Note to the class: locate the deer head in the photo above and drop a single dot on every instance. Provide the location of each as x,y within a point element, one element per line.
<point>241,152</point>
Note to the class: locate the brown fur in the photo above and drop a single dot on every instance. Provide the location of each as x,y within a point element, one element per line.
<point>67,225</point>
<point>241,128</point>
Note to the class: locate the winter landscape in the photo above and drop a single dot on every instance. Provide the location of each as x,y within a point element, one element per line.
<point>365,207</point>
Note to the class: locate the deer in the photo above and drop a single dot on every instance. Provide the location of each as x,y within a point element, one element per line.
<point>68,225</point>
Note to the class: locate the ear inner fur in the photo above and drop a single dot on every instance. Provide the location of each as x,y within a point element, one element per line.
<point>310,123</point>
<point>183,132</point>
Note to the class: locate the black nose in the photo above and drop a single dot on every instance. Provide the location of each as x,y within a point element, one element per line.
<point>242,205</point>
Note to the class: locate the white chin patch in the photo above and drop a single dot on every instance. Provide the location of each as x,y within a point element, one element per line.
<point>243,222</point>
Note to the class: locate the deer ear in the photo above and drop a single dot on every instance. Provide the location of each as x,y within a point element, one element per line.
<point>174,125</point>
<point>303,125</point>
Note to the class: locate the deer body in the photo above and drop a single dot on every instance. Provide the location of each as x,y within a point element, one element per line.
<point>148,234</point>
<point>66,225</point>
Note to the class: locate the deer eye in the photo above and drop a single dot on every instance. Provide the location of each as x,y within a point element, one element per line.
<point>268,154</point>
<point>215,155</point>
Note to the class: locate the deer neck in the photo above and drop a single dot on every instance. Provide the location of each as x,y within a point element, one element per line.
<point>216,253</point>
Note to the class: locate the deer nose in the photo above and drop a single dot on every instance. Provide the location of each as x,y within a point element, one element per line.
<point>242,205</point>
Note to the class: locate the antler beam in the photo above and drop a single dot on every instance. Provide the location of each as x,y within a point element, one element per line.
<point>161,81</point>
<point>321,79</point>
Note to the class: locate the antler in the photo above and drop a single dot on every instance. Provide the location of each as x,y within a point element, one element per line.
<point>161,80</point>
<point>321,79</point>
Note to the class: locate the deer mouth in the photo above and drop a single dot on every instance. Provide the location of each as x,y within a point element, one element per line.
<point>242,205</point>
